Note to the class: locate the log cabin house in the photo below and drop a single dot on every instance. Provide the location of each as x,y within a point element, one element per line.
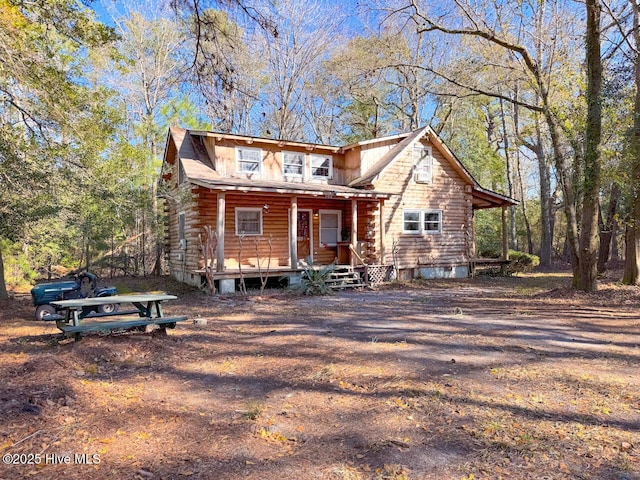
<point>402,204</point>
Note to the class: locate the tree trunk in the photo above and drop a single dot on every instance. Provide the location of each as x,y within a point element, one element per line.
<point>156,217</point>
<point>615,252</point>
<point>632,235</point>
<point>606,230</point>
<point>588,272</point>
<point>544,174</point>
<point>545,210</point>
<point>4,295</point>
<point>566,183</point>
<point>631,255</point>
<point>525,214</point>
<point>87,259</point>
<point>144,242</point>
<point>510,179</point>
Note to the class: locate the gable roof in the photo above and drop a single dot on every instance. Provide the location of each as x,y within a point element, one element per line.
<point>481,197</point>
<point>272,141</point>
<point>195,164</point>
<point>387,159</point>
<point>200,171</point>
<point>198,168</point>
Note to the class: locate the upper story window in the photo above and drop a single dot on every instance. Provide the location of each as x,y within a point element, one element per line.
<point>293,164</point>
<point>248,160</point>
<point>422,164</point>
<point>322,166</point>
<point>422,221</point>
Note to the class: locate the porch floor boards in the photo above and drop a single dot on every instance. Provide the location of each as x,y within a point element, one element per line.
<point>253,272</point>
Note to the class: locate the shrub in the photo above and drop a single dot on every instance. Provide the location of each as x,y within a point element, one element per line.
<point>314,281</point>
<point>522,262</point>
<point>17,271</point>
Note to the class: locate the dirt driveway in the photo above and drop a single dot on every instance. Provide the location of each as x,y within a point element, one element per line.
<point>514,378</point>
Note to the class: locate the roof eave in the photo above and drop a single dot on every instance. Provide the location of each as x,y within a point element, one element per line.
<point>375,140</point>
<point>490,199</point>
<point>250,140</point>
<point>297,191</point>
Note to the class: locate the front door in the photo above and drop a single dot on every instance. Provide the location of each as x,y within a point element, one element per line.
<point>304,234</point>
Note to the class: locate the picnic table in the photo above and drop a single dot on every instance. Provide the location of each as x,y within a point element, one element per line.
<point>148,308</point>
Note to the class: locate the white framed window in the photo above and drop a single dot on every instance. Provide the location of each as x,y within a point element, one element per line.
<point>182,241</point>
<point>432,221</point>
<point>248,221</point>
<point>322,166</point>
<point>248,160</point>
<point>412,221</point>
<point>330,225</point>
<point>422,164</point>
<point>422,221</point>
<point>293,164</point>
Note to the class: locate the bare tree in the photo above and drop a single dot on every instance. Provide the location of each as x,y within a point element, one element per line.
<point>632,236</point>
<point>227,70</point>
<point>209,245</point>
<point>305,33</point>
<point>516,57</point>
<point>148,75</point>
<point>589,239</point>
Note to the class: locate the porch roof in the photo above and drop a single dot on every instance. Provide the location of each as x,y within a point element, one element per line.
<point>294,188</point>
<point>483,198</point>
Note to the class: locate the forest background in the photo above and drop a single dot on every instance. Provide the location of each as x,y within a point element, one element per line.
<point>539,99</point>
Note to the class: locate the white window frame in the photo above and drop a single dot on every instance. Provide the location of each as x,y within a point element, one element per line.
<point>239,160</point>
<point>422,165</point>
<point>284,164</point>
<point>252,210</point>
<point>315,156</point>
<point>182,226</point>
<point>422,222</point>
<point>338,228</point>
<point>419,222</point>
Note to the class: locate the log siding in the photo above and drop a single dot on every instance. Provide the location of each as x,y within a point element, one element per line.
<point>446,193</point>
<point>376,185</point>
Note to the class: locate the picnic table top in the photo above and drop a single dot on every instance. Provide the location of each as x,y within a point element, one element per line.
<point>95,301</point>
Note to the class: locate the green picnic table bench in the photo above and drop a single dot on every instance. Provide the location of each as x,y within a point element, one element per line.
<point>148,307</point>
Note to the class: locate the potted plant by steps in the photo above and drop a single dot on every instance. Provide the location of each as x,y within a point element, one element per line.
<point>345,234</point>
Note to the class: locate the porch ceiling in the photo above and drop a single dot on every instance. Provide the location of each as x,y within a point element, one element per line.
<point>295,188</point>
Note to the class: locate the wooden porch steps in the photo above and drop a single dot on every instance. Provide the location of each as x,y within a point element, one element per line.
<point>344,276</point>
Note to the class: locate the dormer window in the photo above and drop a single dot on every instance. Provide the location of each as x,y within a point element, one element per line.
<point>422,164</point>
<point>322,166</point>
<point>293,164</point>
<point>248,160</point>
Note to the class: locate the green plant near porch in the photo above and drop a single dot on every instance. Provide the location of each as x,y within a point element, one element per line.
<point>314,280</point>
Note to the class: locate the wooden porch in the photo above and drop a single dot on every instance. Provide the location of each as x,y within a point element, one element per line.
<point>343,275</point>
<point>328,229</point>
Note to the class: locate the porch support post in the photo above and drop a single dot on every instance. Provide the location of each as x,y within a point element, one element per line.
<point>220,227</point>
<point>474,252</point>
<point>381,232</point>
<point>505,243</point>
<point>293,233</point>
<point>354,230</point>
